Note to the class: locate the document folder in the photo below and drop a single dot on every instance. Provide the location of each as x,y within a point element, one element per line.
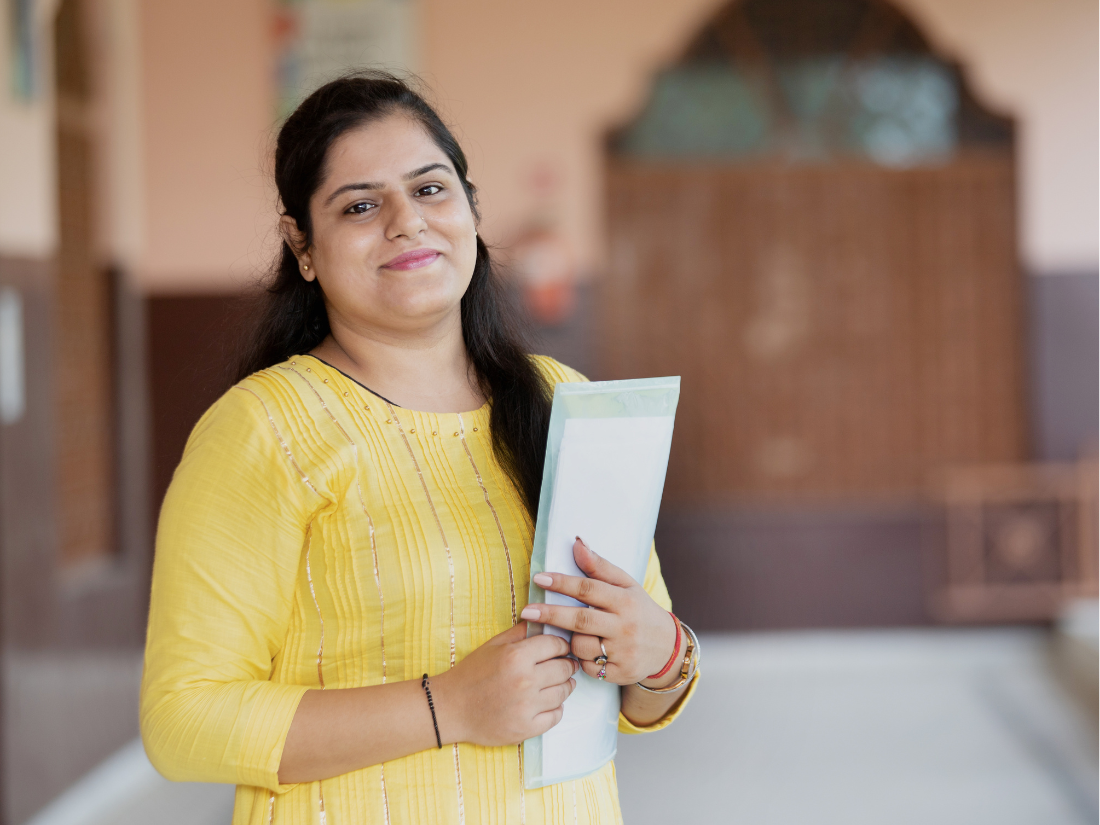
<point>606,457</point>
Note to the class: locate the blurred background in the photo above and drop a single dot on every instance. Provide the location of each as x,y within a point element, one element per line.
<point>864,232</point>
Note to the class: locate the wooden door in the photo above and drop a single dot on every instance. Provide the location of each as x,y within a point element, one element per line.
<point>843,329</point>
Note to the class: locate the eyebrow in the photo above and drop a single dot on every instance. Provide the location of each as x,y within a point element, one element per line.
<point>371,186</point>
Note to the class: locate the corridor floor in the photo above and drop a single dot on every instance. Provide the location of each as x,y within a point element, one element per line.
<point>885,727</point>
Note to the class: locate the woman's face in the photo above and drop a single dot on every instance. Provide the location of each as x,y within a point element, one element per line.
<point>393,233</point>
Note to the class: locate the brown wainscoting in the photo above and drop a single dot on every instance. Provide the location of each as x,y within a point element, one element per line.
<point>192,346</point>
<point>48,603</point>
<point>27,527</point>
<point>743,568</point>
<point>66,625</point>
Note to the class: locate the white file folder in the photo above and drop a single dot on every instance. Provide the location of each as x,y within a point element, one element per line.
<point>606,457</point>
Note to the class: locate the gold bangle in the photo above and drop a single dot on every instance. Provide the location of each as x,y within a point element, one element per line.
<point>687,670</point>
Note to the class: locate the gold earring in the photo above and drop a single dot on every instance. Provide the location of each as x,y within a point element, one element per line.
<point>305,267</point>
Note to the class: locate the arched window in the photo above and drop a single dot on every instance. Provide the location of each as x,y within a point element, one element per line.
<point>810,80</point>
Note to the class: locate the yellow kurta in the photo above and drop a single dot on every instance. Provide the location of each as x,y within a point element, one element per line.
<point>314,536</point>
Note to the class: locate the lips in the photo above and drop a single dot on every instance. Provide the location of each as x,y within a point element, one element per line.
<point>415,259</point>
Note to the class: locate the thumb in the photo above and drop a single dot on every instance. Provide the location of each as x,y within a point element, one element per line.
<point>516,633</point>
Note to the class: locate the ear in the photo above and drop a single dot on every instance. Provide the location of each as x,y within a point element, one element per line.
<point>296,239</point>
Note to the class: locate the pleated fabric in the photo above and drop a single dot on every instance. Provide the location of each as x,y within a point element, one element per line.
<point>315,536</point>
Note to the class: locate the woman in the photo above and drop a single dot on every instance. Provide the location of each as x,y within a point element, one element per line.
<point>357,513</point>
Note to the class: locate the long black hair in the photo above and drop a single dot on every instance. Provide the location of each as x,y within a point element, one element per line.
<point>293,319</point>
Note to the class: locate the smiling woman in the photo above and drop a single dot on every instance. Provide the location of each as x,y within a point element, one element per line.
<point>343,555</point>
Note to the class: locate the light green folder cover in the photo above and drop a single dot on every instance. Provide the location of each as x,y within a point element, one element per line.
<point>606,457</point>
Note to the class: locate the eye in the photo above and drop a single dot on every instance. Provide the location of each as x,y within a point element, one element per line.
<point>359,208</point>
<point>429,189</point>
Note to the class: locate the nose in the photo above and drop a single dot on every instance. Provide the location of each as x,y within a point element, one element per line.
<point>405,219</point>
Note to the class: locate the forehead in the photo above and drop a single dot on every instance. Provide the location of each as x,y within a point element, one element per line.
<point>383,151</point>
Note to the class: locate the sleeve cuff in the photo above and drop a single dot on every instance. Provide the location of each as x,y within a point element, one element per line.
<point>626,726</point>
<point>270,724</point>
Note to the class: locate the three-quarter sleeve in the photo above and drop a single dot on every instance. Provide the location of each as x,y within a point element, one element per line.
<point>229,544</point>
<point>654,585</point>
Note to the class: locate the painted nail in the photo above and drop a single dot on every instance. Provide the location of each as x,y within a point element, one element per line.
<point>543,580</point>
<point>530,614</point>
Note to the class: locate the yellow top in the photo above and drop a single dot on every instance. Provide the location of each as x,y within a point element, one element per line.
<point>315,536</point>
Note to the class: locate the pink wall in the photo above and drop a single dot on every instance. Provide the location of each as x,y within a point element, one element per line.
<point>535,85</point>
<point>532,84</point>
<point>207,107</point>
<point>1040,62</point>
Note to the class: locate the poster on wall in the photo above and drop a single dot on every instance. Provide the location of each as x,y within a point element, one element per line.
<point>317,40</point>
<point>24,77</point>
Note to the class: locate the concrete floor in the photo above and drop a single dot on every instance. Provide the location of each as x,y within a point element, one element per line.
<point>951,727</point>
<point>869,728</point>
<point>63,713</point>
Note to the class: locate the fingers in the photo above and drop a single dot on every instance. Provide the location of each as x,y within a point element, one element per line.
<point>546,720</point>
<point>555,695</point>
<point>593,670</point>
<point>578,619</point>
<point>545,647</point>
<point>599,568</point>
<point>585,647</point>
<point>555,672</point>
<point>589,591</point>
<point>516,633</point>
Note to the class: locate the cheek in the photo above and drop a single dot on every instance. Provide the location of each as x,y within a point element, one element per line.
<point>341,244</point>
<point>459,229</point>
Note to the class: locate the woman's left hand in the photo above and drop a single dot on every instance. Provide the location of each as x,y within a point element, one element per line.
<point>637,633</point>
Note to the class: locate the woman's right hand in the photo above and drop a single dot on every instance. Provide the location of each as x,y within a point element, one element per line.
<point>509,689</point>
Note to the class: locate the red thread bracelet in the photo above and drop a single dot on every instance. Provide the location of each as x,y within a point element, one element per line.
<point>675,650</point>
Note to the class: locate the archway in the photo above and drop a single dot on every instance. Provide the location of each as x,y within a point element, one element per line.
<point>812,220</point>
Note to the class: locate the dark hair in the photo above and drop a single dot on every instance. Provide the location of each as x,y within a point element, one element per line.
<point>293,319</point>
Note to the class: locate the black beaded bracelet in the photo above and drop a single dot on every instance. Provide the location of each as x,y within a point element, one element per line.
<point>431,706</point>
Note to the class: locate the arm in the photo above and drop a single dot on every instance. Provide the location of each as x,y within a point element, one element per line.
<point>509,689</point>
<point>230,541</point>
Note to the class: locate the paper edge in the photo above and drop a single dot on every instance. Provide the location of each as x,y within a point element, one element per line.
<point>534,786</point>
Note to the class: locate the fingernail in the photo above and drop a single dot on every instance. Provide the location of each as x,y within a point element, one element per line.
<point>543,580</point>
<point>530,614</point>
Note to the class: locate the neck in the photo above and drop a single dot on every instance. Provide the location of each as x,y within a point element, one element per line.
<point>427,370</point>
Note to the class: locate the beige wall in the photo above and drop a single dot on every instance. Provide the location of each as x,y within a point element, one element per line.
<point>533,85</point>
<point>531,82</point>
<point>28,186</point>
<point>1038,60</point>
<point>529,85</point>
<point>208,109</point>
<point>28,227</point>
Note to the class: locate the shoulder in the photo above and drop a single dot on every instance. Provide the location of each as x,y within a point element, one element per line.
<point>254,403</point>
<point>250,437</point>
<point>266,414</point>
<point>556,372</point>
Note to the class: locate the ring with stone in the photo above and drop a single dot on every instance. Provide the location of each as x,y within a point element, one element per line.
<point>601,660</point>
<point>602,674</point>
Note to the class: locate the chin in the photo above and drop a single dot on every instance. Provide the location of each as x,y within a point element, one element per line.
<point>424,304</point>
